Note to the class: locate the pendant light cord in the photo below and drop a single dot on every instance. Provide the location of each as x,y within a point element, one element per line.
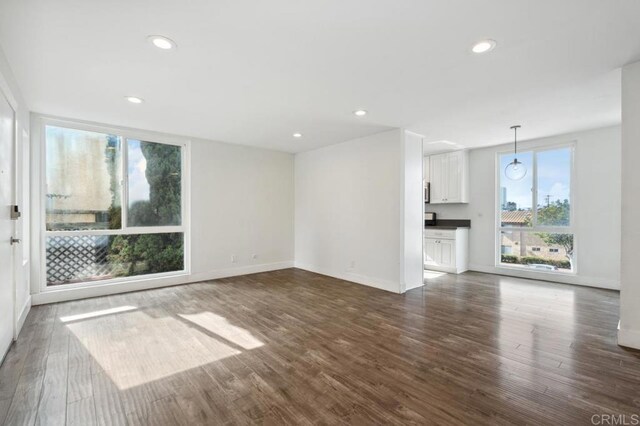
<point>515,141</point>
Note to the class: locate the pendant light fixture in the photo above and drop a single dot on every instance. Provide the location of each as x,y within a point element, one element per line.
<point>515,170</point>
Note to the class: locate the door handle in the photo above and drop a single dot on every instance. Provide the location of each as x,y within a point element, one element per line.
<point>14,240</point>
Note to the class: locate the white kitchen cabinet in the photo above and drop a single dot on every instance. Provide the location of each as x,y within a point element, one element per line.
<point>437,178</point>
<point>449,177</point>
<point>446,250</point>
<point>440,252</point>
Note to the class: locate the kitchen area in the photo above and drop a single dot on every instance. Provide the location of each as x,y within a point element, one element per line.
<point>446,185</point>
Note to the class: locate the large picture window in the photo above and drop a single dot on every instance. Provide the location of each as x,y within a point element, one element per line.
<point>535,226</point>
<point>113,206</point>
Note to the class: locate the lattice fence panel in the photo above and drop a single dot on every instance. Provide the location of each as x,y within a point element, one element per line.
<point>77,258</point>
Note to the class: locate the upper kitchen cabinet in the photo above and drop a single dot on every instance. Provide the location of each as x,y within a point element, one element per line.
<point>449,177</point>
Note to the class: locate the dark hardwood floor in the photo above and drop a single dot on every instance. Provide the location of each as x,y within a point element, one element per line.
<point>293,347</point>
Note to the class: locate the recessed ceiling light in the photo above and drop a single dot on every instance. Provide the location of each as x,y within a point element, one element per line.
<point>134,99</point>
<point>360,112</point>
<point>297,135</point>
<point>484,46</point>
<point>161,42</point>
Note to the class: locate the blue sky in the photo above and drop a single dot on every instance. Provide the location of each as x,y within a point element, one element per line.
<point>554,177</point>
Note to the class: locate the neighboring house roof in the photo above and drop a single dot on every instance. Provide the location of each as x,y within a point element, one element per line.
<point>516,216</point>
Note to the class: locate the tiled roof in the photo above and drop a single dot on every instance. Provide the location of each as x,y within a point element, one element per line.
<point>516,216</point>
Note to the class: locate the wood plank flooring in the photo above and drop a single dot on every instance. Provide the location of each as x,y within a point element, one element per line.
<point>293,347</point>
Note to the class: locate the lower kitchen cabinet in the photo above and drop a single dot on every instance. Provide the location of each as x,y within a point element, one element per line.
<point>446,250</point>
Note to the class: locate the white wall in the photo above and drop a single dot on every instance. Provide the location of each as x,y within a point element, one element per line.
<point>242,204</point>
<point>412,221</point>
<point>629,334</point>
<point>347,210</point>
<point>597,201</point>
<point>9,87</point>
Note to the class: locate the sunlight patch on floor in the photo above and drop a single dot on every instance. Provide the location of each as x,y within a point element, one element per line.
<point>220,326</point>
<point>94,314</point>
<point>429,275</point>
<point>137,347</point>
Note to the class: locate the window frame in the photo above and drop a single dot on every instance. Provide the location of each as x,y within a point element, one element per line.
<point>124,135</point>
<point>571,229</point>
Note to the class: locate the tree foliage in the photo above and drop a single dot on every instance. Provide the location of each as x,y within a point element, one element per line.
<point>528,260</point>
<point>510,206</point>
<point>163,175</point>
<point>556,214</point>
<point>153,253</point>
<point>147,253</point>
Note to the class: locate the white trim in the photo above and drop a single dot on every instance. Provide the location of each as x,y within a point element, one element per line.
<point>22,317</point>
<point>554,277</point>
<point>123,132</point>
<point>112,281</point>
<point>144,283</point>
<point>390,286</point>
<point>241,270</point>
<point>124,231</point>
<point>414,286</point>
<point>629,338</point>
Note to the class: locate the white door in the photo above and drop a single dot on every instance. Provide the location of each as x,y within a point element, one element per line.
<point>447,253</point>
<point>454,177</point>
<point>431,256</point>
<point>6,225</point>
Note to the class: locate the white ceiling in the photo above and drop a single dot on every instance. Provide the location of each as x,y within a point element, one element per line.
<point>254,72</point>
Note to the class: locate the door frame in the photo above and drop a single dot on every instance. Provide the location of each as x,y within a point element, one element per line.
<point>5,91</point>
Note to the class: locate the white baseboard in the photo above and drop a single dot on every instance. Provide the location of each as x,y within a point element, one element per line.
<point>22,317</point>
<point>629,338</point>
<point>242,270</point>
<point>551,277</point>
<point>411,287</point>
<point>65,294</point>
<point>393,287</point>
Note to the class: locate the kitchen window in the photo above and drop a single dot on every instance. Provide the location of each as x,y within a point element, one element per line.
<point>535,225</point>
<point>113,206</point>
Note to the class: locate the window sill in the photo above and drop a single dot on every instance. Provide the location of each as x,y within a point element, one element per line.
<point>84,290</point>
<point>502,266</point>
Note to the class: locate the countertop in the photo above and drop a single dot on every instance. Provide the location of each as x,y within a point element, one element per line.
<point>445,227</point>
<point>450,224</point>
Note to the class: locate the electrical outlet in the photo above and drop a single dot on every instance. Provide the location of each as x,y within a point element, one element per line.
<point>352,265</point>
<point>234,258</point>
<point>254,256</point>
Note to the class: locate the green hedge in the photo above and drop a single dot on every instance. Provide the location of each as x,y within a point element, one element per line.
<point>527,260</point>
